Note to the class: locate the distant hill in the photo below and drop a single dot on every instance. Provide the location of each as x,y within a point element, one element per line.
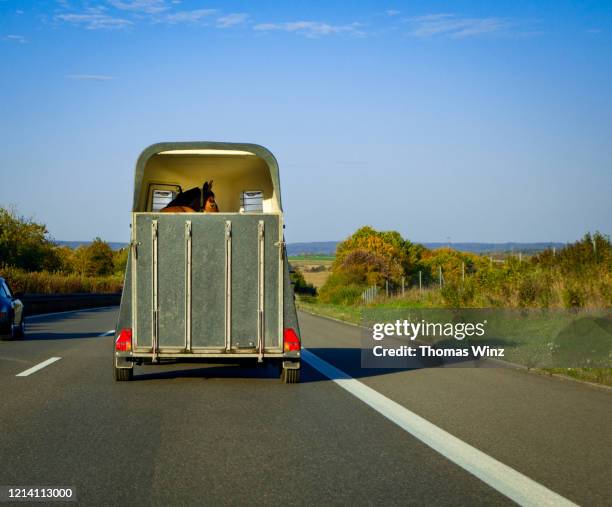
<point>317,247</point>
<point>497,247</point>
<point>329,247</point>
<point>75,244</point>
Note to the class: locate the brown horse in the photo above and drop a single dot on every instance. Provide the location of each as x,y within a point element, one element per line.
<point>194,200</point>
<point>208,198</point>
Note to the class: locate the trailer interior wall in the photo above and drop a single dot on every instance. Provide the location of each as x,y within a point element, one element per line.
<point>232,173</point>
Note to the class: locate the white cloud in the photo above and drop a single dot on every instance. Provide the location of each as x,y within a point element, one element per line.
<point>89,77</point>
<point>450,25</point>
<point>310,28</point>
<point>232,20</point>
<point>148,6</point>
<point>189,16</point>
<point>20,39</point>
<point>95,21</point>
<point>392,12</point>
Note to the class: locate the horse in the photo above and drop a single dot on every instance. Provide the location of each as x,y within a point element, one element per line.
<point>208,198</point>
<point>193,201</point>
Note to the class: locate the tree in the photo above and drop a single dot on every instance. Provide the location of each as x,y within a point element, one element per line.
<point>99,259</point>
<point>392,256</point>
<point>25,244</point>
<point>120,258</point>
<point>67,261</point>
<point>368,257</point>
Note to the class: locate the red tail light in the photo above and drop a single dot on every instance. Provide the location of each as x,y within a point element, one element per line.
<point>291,341</point>
<point>124,341</point>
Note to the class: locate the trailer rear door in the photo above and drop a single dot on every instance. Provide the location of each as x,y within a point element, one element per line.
<point>207,283</point>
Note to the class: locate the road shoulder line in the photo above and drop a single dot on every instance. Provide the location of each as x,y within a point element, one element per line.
<point>502,478</point>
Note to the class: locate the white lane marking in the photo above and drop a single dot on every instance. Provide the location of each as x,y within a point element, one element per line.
<point>41,315</point>
<point>39,366</point>
<point>108,333</point>
<point>506,480</point>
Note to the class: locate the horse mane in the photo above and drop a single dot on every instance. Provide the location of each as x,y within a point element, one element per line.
<point>189,198</point>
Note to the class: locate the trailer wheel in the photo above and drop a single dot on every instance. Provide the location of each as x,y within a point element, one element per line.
<point>290,376</point>
<point>124,374</point>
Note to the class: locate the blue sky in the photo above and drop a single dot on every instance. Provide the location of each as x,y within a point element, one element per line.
<point>474,121</point>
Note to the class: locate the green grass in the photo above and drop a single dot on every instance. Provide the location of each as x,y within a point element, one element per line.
<point>313,257</point>
<point>530,338</point>
<point>595,375</point>
<point>350,314</point>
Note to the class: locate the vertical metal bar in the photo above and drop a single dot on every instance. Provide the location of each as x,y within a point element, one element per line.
<point>134,247</point>
<point>228,285</point>
<point>261,289</point>
<point>281,280</point>
<point>188,269</point>
<point>155,305</point>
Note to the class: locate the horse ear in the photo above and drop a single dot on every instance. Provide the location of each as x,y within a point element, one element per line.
<point>205,188</point>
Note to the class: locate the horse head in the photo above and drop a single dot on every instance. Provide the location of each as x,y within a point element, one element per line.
<point>208,198</point>
<point>189,200</point>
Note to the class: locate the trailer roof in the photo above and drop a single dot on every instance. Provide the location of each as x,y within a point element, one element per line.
<point>204,148</point>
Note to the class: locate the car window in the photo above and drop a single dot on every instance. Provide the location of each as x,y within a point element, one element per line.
<point>5,290</point>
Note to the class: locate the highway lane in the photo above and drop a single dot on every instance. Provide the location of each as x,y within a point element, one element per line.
<point>557,432</point>
<point>230,435</point>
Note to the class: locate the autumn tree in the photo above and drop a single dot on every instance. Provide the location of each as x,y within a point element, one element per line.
<point>25,244</point>
<point>100,259</point>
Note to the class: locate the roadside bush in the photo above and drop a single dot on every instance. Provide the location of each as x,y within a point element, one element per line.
<point>458,294</point>
<point>340,290</point>
<point>300,286</point>
<point>43,282</point>
<point>25,244</point>
<point>100,260</point>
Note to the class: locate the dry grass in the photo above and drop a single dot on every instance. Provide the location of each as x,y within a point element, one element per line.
<point>43,282</point>
<point>315,271</point>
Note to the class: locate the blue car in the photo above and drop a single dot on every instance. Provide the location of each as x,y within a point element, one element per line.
<point>12,320</point>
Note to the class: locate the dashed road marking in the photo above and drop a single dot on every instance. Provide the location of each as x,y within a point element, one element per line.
<point>39,366</point>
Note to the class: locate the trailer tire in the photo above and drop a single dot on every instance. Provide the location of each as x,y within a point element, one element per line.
<point>290,376</point>
<point>124,374</point>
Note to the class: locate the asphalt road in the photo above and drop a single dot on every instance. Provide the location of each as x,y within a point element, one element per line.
<point>193,434</point>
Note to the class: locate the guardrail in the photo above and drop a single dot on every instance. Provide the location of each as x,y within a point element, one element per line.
<point>48,303</point>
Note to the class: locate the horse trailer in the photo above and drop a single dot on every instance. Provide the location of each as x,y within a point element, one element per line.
<point>205,286</point>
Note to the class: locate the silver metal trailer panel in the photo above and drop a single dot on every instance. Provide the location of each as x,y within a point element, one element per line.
<point>207,285</point>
